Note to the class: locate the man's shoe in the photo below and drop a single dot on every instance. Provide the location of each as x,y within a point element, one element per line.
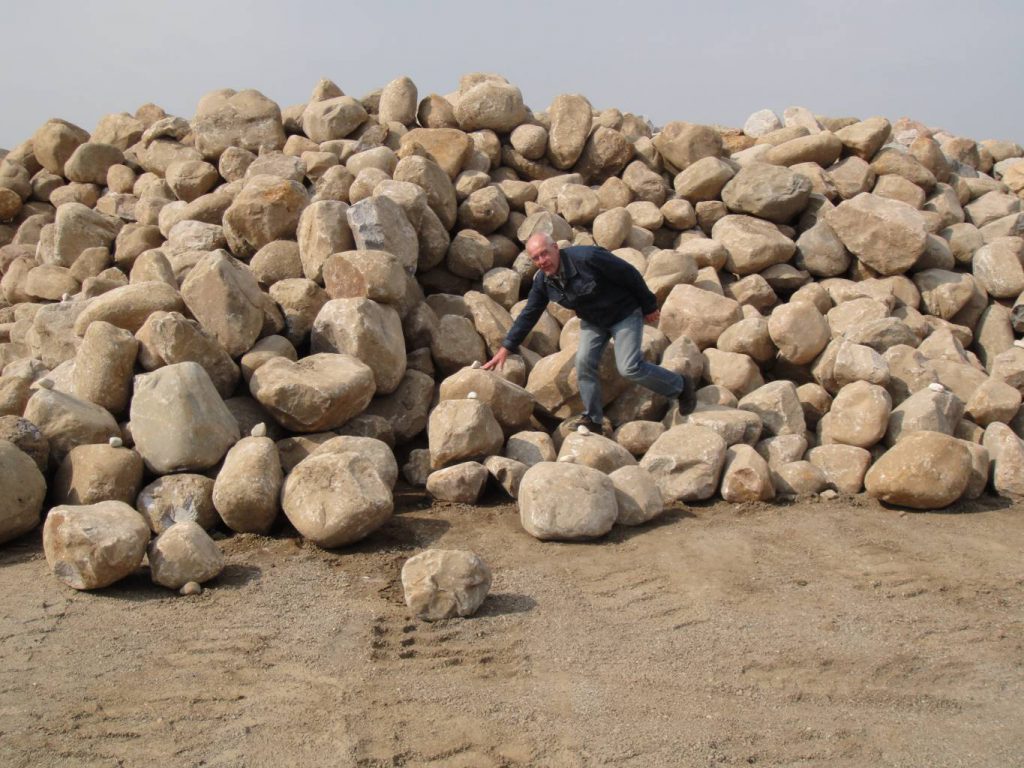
<point>688,397</point>
<point>585,421</point>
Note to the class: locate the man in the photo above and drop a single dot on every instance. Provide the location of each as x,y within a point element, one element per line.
<point>613,302</point>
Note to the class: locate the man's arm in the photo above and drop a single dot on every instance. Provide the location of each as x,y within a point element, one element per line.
<point>622,272</point>
<point>536,302</point>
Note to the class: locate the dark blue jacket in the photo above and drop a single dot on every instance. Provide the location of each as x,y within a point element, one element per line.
<point>599,286</point>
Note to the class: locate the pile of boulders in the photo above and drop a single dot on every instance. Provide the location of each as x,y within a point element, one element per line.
<point>211,321</point>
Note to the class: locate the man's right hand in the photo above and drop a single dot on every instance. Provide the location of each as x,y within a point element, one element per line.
<point>498,361</point>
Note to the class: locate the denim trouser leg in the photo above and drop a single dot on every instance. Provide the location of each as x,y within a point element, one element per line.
<point>593,339</point>
<point>628,334</point>
<point>629,359</point>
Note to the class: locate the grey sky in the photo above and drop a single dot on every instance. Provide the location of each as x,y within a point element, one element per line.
<point>957,65</point>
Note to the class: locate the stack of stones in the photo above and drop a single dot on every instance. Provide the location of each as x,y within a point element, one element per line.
<point>265,310</point>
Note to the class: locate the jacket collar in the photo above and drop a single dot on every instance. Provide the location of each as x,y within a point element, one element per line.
<point>570,267</point>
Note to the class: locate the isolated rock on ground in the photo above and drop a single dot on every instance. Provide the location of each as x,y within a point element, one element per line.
<point>442,584</point>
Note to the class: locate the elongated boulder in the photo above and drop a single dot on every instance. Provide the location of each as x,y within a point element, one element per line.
<point>246,493</point>
<point>560,501</point>
<point>336,499</point>
<point>178,420</point>
<point>925,470</point>
<point>511,404</point>
<point>637,495</point>
<point>67,421</point>
<point>128,306</point>
<point>93,546</point>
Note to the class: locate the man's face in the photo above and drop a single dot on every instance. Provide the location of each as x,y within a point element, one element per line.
<point>545,257</point>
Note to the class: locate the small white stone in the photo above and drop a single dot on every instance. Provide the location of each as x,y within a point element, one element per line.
<point>829,494</point>
<point>472,395</point>
<point>936,387</point>
<point>1019,343</point>
<point>191,588</point>
<point>260,430</point>
<point>566,458</point>
<point>582,430</point>
<point>65,297</point>
<point>476,364</point>
<point>116,442</point>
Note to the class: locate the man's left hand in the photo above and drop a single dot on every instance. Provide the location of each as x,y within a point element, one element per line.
<point>652,319</point>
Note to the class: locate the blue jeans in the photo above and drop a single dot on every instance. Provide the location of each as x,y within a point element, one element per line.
<point>628,334</point>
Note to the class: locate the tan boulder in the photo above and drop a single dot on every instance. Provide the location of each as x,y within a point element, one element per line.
<point>67,421</point>
<point>461,483</point>
<point>245,119</point>
<point>23,488</point>
<point>336,499</point>
<point>267,209</point>
<point>698,314</point>
<point>247,488</point>
<point>746,476</point>
<point>445,583</point>
<point>752,244</point>
<point>799,331</point>
<point>511,404</point>
<point>462,429</point>
<point>686,462</point>
<point>366,330</point>
<point>319,392</point>
<point>176,498</point>
<point>926,470</point>
<point>887,235</point>
<point>178,420</point>
<point>859,415</point>
<point>182,554</point>
<point>565,501</point>
<point>570,118</point>
<point>93,546</point>
<point>94,473</point>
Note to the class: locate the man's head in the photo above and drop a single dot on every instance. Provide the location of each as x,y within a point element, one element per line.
<point>543,251</point>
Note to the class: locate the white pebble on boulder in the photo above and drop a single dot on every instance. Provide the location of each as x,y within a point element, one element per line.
<point>445,583</point>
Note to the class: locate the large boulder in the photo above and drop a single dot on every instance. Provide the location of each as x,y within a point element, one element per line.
<point>887,235</point>
<point>245,119</point>
<point>176,498</point>
<point>925,470</point>
<point>93,546</point>
<point>637,495</point>
<point>686,461</point>
<point>378,223</point>
<point>267,209</point>
<point>366,330</point>
<point>23,490</point>
<point>511,404</point>
<point>317,393</point>
<point>490,104</point>
<point>565,501</point>
<point>248,485</point>
<point>179,422</point>
<point>767,191</point>
<point>67,421</point>
<point>94,473</point>
<point>336,498</point>
<point>752,244</point>
<point>462,429</point>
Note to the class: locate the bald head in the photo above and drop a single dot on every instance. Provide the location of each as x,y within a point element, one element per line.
<point>543,251</point>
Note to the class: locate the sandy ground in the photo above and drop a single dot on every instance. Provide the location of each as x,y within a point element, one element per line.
<point>835,634</point>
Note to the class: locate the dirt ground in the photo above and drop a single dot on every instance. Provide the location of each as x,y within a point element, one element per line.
<point>808,634</point>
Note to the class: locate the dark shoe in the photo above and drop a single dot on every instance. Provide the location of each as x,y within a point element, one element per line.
<point>584,421</point>
<point>687,398</point>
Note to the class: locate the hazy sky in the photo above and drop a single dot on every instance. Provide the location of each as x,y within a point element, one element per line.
<point>957,65</point>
